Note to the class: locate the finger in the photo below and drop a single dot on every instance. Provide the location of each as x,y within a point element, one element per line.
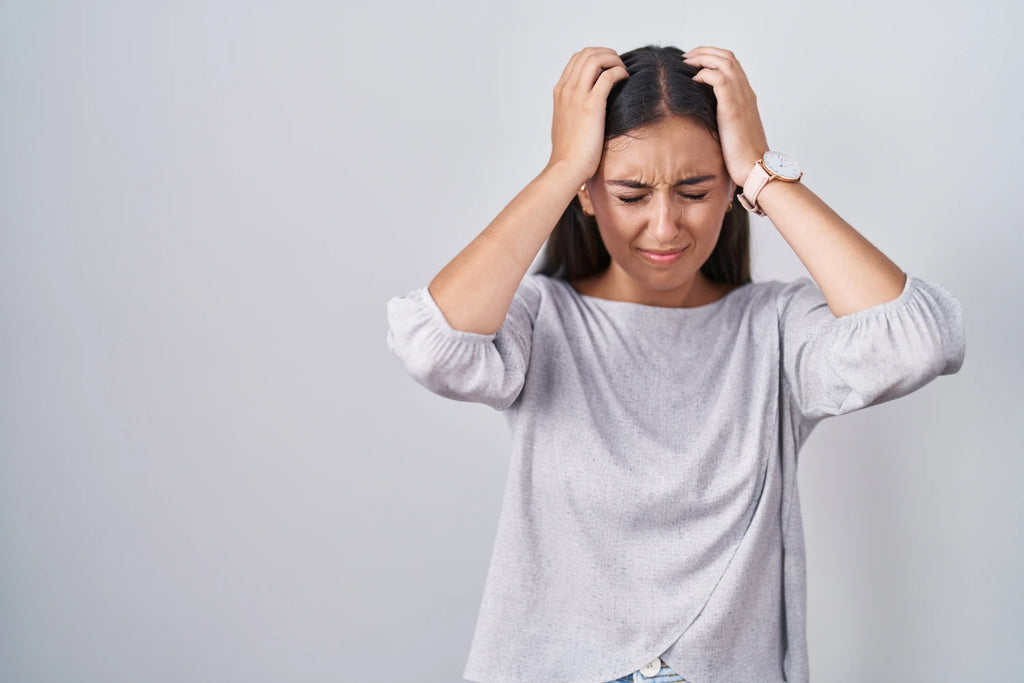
<point>607,79</point>
<point>586,55</point>
<point>574,75</point>
<point>567,71</point>
<point>708,50</point>
<point>712,61</point>
<point>712,77</point>
<point>716,58</point>
<point>566,78</point>
<point>594,63</point>
<point>591,76</point>
<point>731,71</point>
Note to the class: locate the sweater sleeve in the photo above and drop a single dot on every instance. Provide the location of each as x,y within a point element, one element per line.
<point>465,366</point>
<point>834,366</point>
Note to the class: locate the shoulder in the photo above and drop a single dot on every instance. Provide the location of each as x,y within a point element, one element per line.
<point>782,288</point>
<point>542,281</point>
<point>783,293</point>
<point>536,286</point>
<point>767,293</point>
<point>537,293</point>
<point>772,302</point>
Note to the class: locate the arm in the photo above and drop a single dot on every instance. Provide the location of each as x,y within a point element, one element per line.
<point>833,366</point>
<point>851,273</point>
<point>469,334</point>
<point>476,288</point>
<point>474,291</point>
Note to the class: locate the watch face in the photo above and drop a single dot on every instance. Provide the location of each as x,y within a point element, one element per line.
<point>781,165</point>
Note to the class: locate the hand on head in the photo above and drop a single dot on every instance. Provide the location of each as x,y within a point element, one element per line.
<point>740,130</point>
<point>580,98</point>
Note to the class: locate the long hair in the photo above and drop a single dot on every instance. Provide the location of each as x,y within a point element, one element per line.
<point>660,85</point>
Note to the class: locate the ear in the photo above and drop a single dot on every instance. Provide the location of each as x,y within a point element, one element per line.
<point>585,202</point>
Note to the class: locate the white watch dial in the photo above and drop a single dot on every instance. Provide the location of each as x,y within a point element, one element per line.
<point>782,165</point>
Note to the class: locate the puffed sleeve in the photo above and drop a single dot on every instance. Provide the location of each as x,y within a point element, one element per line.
<point>465,366</point>
<point>834,366</point>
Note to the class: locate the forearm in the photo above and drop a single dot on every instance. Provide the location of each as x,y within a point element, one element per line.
<point>475,290</point>
<point>851,272</point>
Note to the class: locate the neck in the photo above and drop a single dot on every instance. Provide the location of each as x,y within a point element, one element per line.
<point>616,285</point>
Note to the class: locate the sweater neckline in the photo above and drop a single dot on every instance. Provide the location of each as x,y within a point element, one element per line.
<point>633,306</point>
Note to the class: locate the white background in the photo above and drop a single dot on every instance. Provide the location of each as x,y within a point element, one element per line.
<point>212,469</point>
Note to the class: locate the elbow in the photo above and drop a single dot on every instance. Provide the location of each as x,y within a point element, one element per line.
<point>949,340</point>
<point>476,375</point>
<point>955,344</point>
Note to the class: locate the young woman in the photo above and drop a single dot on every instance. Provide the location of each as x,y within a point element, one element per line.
<point>657,397</point>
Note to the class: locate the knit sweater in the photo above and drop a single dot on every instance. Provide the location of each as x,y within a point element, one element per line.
<point>651,504</point>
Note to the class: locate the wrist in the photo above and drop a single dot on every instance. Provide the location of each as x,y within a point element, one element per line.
<point>772,166</point>
<point>565,173</point>
<point>747,166</point>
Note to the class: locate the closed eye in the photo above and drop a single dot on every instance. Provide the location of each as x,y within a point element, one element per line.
<point>692,197</point>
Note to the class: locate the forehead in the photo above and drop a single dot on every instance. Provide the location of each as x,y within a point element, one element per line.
<point>672,148</point>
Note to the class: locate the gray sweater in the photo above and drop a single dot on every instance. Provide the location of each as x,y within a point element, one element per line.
<point>651,504</point>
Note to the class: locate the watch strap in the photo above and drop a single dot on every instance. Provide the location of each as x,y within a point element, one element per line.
<point>756,180</point>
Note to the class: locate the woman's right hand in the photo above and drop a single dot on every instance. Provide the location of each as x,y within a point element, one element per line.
<point>581,98</point>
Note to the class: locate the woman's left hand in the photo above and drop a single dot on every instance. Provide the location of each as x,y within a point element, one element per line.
<point>740,131</point>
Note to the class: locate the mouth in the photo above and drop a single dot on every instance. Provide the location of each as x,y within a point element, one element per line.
<point>661,257</point>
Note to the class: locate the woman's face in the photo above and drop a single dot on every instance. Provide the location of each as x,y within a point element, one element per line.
<point>659,197</point>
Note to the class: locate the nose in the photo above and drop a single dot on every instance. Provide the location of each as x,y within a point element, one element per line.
<point>663,224</point>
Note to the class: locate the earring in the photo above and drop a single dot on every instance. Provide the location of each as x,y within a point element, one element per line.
<point>730,208</point>
<point>583,188</point>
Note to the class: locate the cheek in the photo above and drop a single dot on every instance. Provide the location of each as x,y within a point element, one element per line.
<point>616,235</point>
<point>713,213</point>
<point>612,219</point>
<point>613,241</point>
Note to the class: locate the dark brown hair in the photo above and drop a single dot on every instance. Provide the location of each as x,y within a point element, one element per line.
<point>660,85</point>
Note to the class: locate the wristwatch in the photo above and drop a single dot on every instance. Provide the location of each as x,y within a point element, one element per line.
<point>773,165</point>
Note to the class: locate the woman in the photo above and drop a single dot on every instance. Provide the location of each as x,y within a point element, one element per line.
<point>657,397</point>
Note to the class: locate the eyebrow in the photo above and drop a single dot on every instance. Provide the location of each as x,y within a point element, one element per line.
<point>634,185</point>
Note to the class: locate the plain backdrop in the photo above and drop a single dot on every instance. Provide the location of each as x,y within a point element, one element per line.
<point>212,468</point>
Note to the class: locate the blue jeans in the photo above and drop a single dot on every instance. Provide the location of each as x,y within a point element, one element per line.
<point>666,675</point>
